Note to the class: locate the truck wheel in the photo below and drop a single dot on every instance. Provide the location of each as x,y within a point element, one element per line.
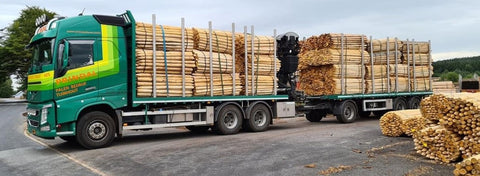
<point>399,104</point>
<point>229,120</point>
<point>413,103</point>
<point>348,112</point>
<point>95,130</point>
<point>315,115</point>
<point>260,118</point>
<point>198,129</point>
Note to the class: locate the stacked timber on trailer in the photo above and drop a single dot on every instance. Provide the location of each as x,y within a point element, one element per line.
<point>215,67</point>
<point>418,57</point>
<point>333,64</point>
<point>384,65</point>
<point>255,61</point>
<point>168,66</point>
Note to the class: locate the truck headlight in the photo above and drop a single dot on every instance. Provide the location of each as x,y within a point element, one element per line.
<point>32,112</point>
<point>43,118</point>
<point>44,115</point>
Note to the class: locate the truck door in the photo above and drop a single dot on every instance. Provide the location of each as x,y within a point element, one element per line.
<point>76,76</point>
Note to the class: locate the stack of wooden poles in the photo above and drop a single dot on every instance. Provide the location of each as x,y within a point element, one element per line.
<point>443,87</point>
<point>386,59</point>
<point>447,130</point>
<point>169,79</point>
<point>323,62</point>
<point>417,56</point>
<point>221,64</point>
<point>260,64</point>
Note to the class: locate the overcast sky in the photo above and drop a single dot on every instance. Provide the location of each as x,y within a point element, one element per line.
<point>453,26</point>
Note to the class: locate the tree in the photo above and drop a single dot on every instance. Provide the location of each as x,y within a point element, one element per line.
<point>14,58</point>
<point>6,90</point>
<point>449,76</point>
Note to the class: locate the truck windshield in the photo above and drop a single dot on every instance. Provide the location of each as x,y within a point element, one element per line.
<point>42,54</point>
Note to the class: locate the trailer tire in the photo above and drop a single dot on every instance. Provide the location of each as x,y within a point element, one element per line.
<point>198,129</point>
<point>260,118</point>
<point>347,113</point>
<point>413,103</point>
<point>399,104</point>
<point>229,120</point>
<point>95,130</point>
<point>315,115</point>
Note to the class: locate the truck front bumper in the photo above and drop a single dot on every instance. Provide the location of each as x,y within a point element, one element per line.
<point>41,120</point>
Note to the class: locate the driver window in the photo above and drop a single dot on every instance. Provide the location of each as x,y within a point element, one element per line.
<point>80,53</point>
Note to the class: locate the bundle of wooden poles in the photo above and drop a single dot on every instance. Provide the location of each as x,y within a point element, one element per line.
<point>385,54</point>
<point>205,73</point>
<point>417,56</point>
<point>446,129</point>
<point>323,62</point>
<point>169,79</point>
<point>222,64</point>
<point>443,87</point>
<point>260,64</point>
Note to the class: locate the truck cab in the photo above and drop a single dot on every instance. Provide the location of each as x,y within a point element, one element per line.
<point>79,65</point>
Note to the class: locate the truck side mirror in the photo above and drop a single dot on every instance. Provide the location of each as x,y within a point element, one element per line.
<point>62,59</point>
<point>66,51</point>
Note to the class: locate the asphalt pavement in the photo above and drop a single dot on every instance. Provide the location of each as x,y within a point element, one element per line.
<point>290,147</point>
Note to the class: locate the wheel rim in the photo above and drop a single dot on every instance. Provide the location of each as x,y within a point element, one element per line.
<point>260,118</point>
<point>231,120</point>
<point>97,130</point>
<point>348,112</point>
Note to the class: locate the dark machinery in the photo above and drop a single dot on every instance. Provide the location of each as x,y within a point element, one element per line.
<point>287,52</point>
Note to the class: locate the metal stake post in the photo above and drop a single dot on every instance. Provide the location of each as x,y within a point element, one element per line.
<point>253,63</point>
<point>233,57</point>
<point>396,64</point>
<point>246,59</point>
<point>408,66</point>
<point>342,82</point>
<point>371,62</point>
<point>211,56</point>
<point>275,61</point>
<point>414,71</point>
<point>388,65</point>
<point>183,57</point>
<point>154,43</point>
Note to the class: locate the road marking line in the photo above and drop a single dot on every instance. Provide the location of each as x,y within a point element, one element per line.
<point>94,170</point>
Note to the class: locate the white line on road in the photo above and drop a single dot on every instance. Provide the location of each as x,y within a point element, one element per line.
<point>94,170</point>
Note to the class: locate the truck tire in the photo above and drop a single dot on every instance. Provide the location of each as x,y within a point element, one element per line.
<point>260,118</point>
<point>315,115</point>
<point>413,103</point>
<point>347,113</point>
<point>399,104</point>
<point>198,129</point>
<point>229,120</point>
<point>95,130</point>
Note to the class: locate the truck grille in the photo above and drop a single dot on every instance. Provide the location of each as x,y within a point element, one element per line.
<point>33,123</point>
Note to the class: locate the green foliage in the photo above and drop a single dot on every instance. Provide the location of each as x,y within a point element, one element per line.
<point>450,76</point>
<point>6,90</point>
<point>464,66</point>
<point>14,58</point>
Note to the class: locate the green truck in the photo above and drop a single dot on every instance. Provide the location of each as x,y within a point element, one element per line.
<point>81,88</point>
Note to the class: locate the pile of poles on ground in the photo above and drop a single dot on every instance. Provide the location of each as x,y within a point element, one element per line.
<point>445,129</point>
<point>208,65</point>
<point>352,64</point>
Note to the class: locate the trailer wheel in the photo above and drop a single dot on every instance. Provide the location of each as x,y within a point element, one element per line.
<point>348,112</point>
<point>260,118</point>
<point>198,129</point>
<point>399,104</point>
<point>413,103</point>
<point>95,130</point>
<point>229,120</point>
<point>315,115</point>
